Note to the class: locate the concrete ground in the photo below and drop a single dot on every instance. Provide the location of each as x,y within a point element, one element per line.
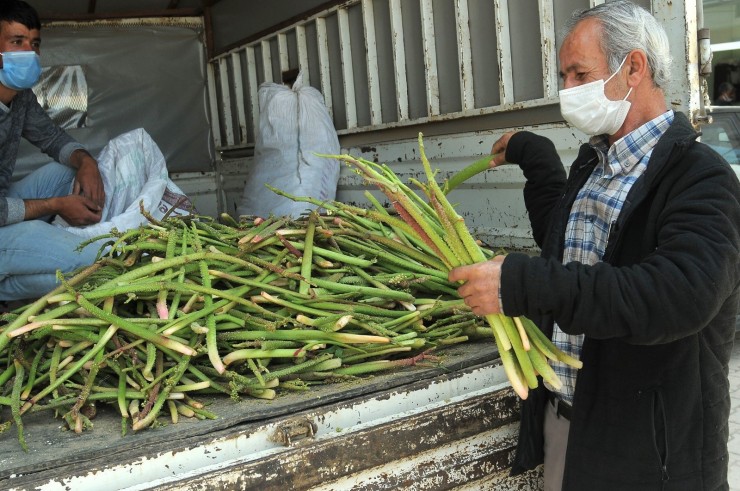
<point>734,442</point>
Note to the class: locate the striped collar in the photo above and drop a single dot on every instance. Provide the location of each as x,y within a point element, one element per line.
<point>629,150</point>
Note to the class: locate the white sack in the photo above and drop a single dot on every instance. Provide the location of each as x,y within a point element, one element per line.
<point>133,170</point>
<point>294,124</point>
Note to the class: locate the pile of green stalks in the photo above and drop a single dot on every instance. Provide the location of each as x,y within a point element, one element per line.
<point>191,306</point>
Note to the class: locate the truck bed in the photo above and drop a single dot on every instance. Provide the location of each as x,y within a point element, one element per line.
<point>332,430</point>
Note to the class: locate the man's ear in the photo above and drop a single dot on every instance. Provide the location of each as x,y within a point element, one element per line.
<point>637,64</point>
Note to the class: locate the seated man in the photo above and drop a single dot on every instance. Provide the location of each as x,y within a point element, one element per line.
<point>31,249</point>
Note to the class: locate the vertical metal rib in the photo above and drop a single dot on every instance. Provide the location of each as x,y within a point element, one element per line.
<point>399,60</point>
<point>323,43</point>
<point>223,73</point>
<point>345,48</point>
<point>430,57</point>
<point>373,74</point>
<point>462,24</point>
<point>503,38</point>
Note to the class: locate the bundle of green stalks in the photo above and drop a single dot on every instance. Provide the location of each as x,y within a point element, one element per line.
<point>434,226</point>
<point>192,306</point>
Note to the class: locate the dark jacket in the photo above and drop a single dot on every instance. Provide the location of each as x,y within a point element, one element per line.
<point>651,406</point>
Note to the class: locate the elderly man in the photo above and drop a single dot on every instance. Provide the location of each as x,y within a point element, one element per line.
<point>31,249</point>
<point>639,275</point>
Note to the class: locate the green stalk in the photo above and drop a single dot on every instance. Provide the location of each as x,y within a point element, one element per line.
<point>512,372</point>
<point>543,368</point>
<point>15,406</point>
<point>376,204</point>
<point>467,172</point>
<point>162,307</point>
<point>403,264</point>
<point>380,365</point>
<point>40,351</point>
<point>303,335</point>
<point>244,354</point>
<point>538,336</point>
<point>525,364</point>
<point>211,344</point>
<point>402,249</point>
<point>364,290</point>
<point>306,263</point>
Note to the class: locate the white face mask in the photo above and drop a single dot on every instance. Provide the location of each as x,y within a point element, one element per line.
<point>587,108</point>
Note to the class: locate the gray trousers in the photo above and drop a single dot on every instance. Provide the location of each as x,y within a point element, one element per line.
<point>556,441</point>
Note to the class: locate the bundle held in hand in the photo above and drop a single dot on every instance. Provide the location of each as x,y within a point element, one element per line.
<point>438,226</point>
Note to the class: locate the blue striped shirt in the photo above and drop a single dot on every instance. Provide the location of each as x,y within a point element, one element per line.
<point>596,209</point>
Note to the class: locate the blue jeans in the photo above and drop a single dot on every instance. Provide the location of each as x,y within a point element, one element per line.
<point>31,252</point>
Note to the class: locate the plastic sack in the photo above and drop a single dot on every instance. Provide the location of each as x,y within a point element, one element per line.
<point>293,124</point>
<point>134,171</point>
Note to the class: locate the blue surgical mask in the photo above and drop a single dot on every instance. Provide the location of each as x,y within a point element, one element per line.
<point>20,70</point>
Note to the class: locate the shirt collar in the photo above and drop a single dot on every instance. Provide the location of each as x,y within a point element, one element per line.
<point>629,150</point>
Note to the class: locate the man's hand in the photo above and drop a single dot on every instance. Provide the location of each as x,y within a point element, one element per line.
<point>481,285</point>
<point>75,209</point>
<point>78,210</point>
<point>498,150</point>
<point>88,182</point>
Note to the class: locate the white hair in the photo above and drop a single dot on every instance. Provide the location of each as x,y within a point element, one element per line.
<point>627,27</point>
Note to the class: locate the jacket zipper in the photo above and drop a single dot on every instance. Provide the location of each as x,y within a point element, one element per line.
<point>662,454</point>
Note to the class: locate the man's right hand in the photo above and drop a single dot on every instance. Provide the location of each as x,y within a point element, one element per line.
<point>75,209</point>
<point>499,150</point>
